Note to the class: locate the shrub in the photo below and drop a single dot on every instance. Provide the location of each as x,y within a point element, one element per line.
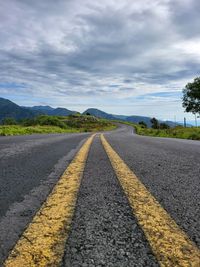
<point>44,120</point>
<point>50,120</point>
<point>28,122</point>
<point>155,123</point>
<point>164,126</point>
<point>9,121</point>
<point>142,124</point>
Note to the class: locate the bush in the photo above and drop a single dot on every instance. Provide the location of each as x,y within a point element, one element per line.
<point>50,120</point>
<point>28,122</point>
<point>164,126</point>
<point>44,120</point>
<point>155,123</point>
<point>194,136</point>
<point>142,124</point>
<point>9,121</point>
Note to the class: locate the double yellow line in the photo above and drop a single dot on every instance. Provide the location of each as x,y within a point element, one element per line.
<point>43,242</point>
<point>169,243</point>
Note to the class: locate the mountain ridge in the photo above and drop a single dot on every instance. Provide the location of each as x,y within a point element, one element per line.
<point>47,110</point>
<point>10,109</point>
<point>128,118</point>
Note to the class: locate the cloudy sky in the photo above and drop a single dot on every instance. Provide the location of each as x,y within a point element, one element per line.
<point>124,57</point>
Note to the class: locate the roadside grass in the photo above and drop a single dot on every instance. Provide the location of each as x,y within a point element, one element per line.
<point>23,130</point>
<point>54,124</point>
<point>192,133</point>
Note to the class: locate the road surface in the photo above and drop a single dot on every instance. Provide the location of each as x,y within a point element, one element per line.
<point>104,226</point>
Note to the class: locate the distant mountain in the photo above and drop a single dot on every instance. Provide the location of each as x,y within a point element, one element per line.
<point>8,109</point>
<point>47,110</point>
<point>41,108</point>
<point>120,117</point>
<point>137,119</point>
<point>134,119</point>
<point>191,123</point>
<point>62,112</point>
<point>99,113</point>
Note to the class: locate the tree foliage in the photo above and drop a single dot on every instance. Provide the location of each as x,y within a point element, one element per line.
<point>9,121</point>
<point>164,126</point>
<point>191,96</point>
<point>142,124</point>
<point>43,120</point>
<point>155,123</point>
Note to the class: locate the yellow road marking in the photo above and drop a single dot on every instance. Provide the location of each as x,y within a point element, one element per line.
<point>170,244</point>
<point>42,243</point>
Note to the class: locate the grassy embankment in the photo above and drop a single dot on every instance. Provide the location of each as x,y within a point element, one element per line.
<point>57,124</point>
<point>192,133</point>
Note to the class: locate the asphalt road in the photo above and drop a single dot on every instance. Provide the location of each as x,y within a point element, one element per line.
<point>170,169</point>
<point>104,231</point>
<point>29,168</point>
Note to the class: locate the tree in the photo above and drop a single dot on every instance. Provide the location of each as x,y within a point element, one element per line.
<point>9,121</point>
<point>155,123</point>
<point>191,96</point>
<point>164,126</point>
<point>142,124</point>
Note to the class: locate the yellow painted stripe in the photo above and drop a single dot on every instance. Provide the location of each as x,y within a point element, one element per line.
<point>43,242</point>
<point>170,244</point>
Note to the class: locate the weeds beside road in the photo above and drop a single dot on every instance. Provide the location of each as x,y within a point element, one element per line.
<point>192,133</point>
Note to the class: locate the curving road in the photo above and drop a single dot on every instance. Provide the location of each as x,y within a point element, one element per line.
<point>104,231</point>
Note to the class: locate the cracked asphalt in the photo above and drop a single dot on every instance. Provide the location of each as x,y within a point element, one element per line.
<point>104,232</point>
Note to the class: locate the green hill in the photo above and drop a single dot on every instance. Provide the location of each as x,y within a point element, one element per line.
<point>8,109</point>
<point>47,110</point>
<point>99,114</point>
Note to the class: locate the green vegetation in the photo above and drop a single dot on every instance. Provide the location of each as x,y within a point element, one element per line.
<point>142,124</point>
<point>155,123</point>
<point>55,124</point>
<point>88,123</point>
<point>9,121</point>
<point>22,130</point>
<point>192,133</point>
<point>164,126</point>
<point>191,96</point>
<point>45,120</point>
